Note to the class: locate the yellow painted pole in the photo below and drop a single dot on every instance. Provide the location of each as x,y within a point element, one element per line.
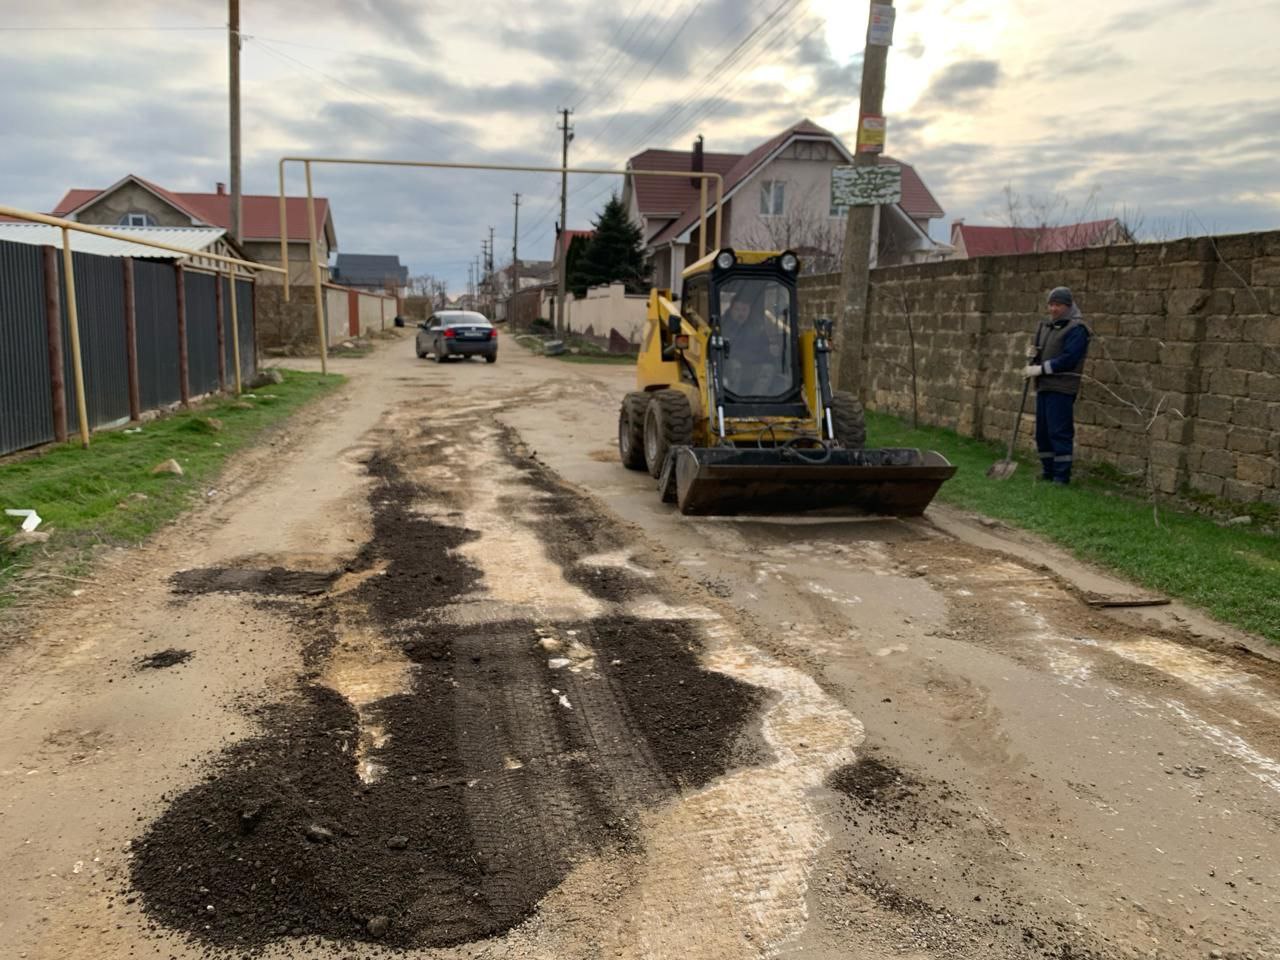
<point>719,206</point>
<point>235,330</point>
<point>284,239</point>
<point>702,210</point>
<point>73,323</point>
<point>321,333</point>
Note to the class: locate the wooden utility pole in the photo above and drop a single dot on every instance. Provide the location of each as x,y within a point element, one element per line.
<point>855,264</point>
<point>233,41</point>
<point>566,135</point>
<point>515,266</point>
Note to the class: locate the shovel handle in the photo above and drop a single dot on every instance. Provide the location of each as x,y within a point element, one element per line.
<point>1026,385</point>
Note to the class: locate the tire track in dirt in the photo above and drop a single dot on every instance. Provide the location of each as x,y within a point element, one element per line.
<point>496,770</point>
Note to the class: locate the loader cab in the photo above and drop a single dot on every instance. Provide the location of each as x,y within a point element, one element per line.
<point>750,299</point>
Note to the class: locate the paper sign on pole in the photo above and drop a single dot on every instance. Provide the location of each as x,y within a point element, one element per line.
<point>880,29</point>
<point>871,134</point>
<point>866,186</point>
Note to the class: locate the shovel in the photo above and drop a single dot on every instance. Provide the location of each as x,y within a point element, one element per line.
<point>1003,469</point>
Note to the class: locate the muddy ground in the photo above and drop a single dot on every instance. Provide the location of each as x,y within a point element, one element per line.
<point>432,675</point>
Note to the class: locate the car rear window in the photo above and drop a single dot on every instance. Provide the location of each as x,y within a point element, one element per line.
<point>464,320</point>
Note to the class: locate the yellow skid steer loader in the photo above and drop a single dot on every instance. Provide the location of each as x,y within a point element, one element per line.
<point>734,410</point>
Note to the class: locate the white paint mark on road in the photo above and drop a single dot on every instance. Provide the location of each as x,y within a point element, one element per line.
<point>1256,764</point>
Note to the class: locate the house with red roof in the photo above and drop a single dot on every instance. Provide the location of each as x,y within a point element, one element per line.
<point>777,196</point>
<point>133,201</point>
<point>972,240</point>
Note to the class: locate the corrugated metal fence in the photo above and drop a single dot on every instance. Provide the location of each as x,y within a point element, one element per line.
<point>34,398</point>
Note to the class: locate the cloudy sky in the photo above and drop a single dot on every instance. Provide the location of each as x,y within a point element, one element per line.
<point>1165,110</point>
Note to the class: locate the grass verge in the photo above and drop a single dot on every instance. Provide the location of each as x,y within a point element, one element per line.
<point>108,494</point>
<point>1232,572</point>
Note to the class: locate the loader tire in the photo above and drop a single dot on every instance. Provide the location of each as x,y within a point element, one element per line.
<point>631,430</point>
<point>849,421</point>
<point>667,423</point>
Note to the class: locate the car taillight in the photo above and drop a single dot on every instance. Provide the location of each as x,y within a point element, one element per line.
<point>493,334</point>
<point>449,333</point>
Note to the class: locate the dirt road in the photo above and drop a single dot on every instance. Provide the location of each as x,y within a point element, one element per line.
<point>432,675</point>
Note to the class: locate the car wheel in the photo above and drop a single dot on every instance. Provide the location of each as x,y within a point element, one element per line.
<point>439,354</point>
<point>490,358</point>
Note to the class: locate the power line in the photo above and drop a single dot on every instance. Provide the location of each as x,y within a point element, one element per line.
<point>717,99</point>
<point>636,59</point>
<point>618,52</point>
<point>759,33</point>
<point>675,35</point>
<point>604,52</point>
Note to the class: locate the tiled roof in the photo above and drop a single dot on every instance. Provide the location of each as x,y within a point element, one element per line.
<point>917,202</point>
<point>259,214</point>
<point>982,241</point>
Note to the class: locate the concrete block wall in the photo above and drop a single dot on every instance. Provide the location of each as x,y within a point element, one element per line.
<point>1183,376</point>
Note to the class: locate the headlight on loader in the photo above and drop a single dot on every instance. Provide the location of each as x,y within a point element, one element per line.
<point>725,259</point>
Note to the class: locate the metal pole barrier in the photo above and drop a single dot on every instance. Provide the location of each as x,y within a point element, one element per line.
<point>284,239</point>
<point>73,323</point>
<point>719,207</point>
<point>235,329</point>
<point>315,274</point>
<point>702,229</point>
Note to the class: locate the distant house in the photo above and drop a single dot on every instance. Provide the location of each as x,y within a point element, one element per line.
<point>135,202</point>
<point>972,240</point>
<point>381,273</point>
<point>533,272</point>
<point>777,196</point>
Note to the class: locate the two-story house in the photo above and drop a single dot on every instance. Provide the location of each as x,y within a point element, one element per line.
<point>777,196</point>
<point>135,202</point>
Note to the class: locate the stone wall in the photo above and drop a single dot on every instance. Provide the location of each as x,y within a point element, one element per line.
<point>1183,375</point>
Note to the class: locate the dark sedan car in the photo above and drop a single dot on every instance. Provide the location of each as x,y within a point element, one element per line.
<point>457,333</point>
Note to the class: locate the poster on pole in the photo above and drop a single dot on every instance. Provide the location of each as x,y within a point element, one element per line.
<point>869,186</point>
<point>871,134</point>
<point>880,29</point>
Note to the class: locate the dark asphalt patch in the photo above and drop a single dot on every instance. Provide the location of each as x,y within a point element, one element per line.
<point>491,788</point>
<point>276,581</point>
<point>165,658</point>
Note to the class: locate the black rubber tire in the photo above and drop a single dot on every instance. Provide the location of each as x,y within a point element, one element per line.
<point>631,430</point>
<point>439,354</point>
<point>491,358</point>
<point>849,421</point>
<point>667,423</point>
<point>418,351</point>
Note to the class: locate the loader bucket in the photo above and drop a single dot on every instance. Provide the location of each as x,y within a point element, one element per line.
<point>729,480</point>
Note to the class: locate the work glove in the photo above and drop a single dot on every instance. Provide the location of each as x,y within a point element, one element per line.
<point>1032,370</point>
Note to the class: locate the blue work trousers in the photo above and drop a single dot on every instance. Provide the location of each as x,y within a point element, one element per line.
<point>1055,434</point>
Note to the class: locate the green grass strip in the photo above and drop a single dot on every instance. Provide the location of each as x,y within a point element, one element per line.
<point>1232,572</point>
<point>108,494</point>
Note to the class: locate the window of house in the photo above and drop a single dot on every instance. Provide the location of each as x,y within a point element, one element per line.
<point>772,198</point>
<point>137,218</point>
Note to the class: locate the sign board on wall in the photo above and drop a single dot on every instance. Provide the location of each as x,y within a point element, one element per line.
<point>871,134</point>
<point>880,27</point>
<point>868,186</point>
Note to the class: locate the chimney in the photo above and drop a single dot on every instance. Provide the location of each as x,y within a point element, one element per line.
<point>698,164</point>
<point>222,189</point>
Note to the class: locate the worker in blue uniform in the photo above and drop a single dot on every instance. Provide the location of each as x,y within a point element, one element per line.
<point>1062,341</point>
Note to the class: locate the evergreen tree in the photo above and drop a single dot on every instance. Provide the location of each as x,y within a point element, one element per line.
<point>615,253</point>
<point>573,263</point>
